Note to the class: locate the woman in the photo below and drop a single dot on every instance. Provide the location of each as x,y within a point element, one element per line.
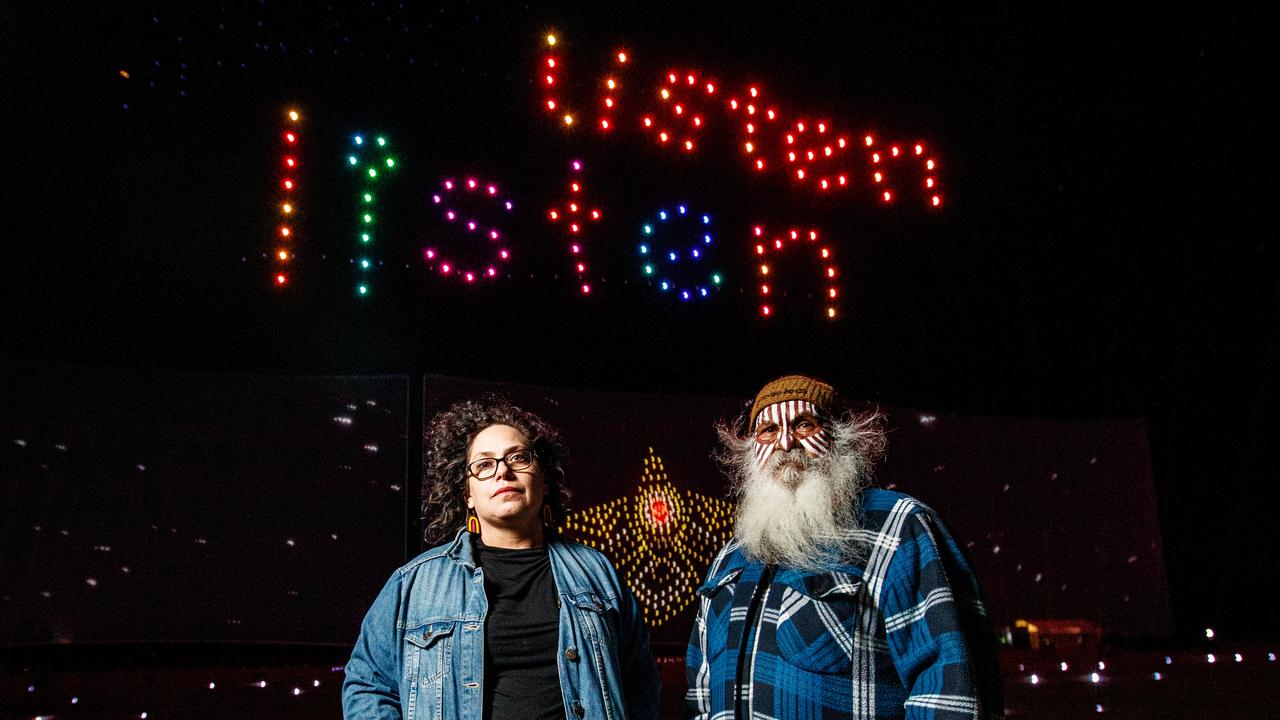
<point>505,620</point>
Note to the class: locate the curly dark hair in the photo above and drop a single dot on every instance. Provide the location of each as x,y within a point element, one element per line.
<point>446,440</point>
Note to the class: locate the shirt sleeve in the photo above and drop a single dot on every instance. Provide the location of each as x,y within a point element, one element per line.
<point>697,699</point>
<point>371,688</point>
<point>642,691</point>
<point>937,628</point>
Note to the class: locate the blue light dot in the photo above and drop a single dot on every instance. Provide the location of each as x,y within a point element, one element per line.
<point>648,229</point>
<point>352,159</point>
<point>684,295</point>
<point>672,256</point>
<point>665,286</point>
<point>703,291</point>
<point>706,239</point>
<point>682,209</point>
<point>364,237</point>
<point>359,141</point>
<point>662,214</point>
<point>644,249</point>
<point>695,253</point>
<point>706,220</point>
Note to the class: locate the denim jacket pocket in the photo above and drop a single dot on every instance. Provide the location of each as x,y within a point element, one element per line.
<point>428,650</point>
<point>598,615</point>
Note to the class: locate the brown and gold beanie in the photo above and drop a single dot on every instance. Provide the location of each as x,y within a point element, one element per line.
<point>795,387</point>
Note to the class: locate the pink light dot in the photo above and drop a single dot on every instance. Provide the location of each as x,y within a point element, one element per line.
<point>759,249</point>
<point>840,142</point>
<point>504,254</point>
<point>928,182</point>
<point>577,165</point>
<point>575,187</point>
<point>697,122</point>
<point>827,151</point>
<point>795,235</point>
<point>471,225</point>
<point>710,88</point>
<point>800,127</point>
<point>759,164</point>
<point>582,268</point>
<point>875,157</point>
<point>771,114</point>
<point>576,248</point>
<point>753,92</point>
<point>471,184</point>
<point>841,180</point>
<point>586,289</point>
<point>448,184</point>
<point>813,234</point>
<point>824,184</point>
<point>493,189</point>
<point>777,244</point>
<point>937,201</point>
<point>758,230</point>
<point>493,234</point>
<point>595,214</point>
<point>573,227</point>
<point>822,127</point>
<point>445,268</point>
<point>928,165</point>
<point>470,277</point>
<point>431,254</point>
<point>648,122</point>
<point>554,214</point>
<point>491,272</point>
<point>435,199</point>
<point>604,124</point>
<point>894,150</point>
<point>450,215</point>
<point>551,104</point>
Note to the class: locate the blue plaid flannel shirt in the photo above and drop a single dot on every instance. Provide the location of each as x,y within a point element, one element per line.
<point>901,633</point>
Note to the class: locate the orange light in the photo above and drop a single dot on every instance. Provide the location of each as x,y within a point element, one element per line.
<point>284,232</point>
<point>551,39</point>
<point>281,279</point>
<point>622,57</point>
<point>831,292</point>
<point>665,94</point>
<point>878,177</point>
<point>283,255</point>
<point>764,269</point>
<point>610,84</point>
<point>759,249</point>
<point>750,147</point>
<point>648,122</point>
<point>124,74</point>
<point>568,119</point>
<point>293,115</point>
<point>831,312</point>
<point>287,208</point>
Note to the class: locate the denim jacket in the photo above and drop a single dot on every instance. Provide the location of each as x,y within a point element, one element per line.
<point>420,654</point>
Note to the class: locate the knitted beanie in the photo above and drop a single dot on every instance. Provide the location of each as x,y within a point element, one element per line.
<point>795,387</point>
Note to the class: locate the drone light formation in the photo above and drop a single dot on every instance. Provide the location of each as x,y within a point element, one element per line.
<point>677,242</point>
<point>768,249</point>
<point>285,237</point>
<point>573,217</point>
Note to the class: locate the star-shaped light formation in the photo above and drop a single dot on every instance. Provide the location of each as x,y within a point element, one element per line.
<point>660,538</point>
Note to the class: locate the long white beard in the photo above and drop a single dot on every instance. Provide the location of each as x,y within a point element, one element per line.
<point>799,511</point>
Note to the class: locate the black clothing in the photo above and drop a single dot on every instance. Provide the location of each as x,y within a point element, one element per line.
<point>521,635</point>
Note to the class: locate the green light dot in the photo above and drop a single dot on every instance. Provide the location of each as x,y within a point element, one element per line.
<point>352,159</point>
<point>373,172</point>
<point>364,237</point>
<point>391,162</point>
<point>364,263</point>
<point>648,269</point>
<point>364,289</point>
<point>368,197</point>
<point>368,218</point>
<point>382,141</point>
<point>715,279</point>
<point>648,229</point>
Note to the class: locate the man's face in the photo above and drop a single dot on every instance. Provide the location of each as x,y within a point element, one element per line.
<point>782,427</point>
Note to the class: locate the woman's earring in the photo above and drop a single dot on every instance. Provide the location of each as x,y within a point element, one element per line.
<point>473,523</point>
<point>546,515</point>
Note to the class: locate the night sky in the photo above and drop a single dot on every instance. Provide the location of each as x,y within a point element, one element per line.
<point>1098,254</point>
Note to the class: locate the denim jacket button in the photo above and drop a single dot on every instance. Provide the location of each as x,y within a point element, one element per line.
<point>578,709</point>
<point>426,635</point>
<point>571,654</point>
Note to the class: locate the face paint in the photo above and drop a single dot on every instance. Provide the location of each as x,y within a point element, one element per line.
<point>784,425</point>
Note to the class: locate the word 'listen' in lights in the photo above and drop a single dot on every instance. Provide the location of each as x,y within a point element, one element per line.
<point>806,150</point>
<point>803,241</point>
<point>285,236</point>
<point>450,197</point>
<point>661,539</point>
<point>369,171</point>
<point>574,217</point>
<point>676,240</point>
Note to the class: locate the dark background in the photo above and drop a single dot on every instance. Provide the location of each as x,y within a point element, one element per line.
<point>1103,250</point>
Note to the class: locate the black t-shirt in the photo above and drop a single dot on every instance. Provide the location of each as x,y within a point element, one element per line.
<point>522,635</point>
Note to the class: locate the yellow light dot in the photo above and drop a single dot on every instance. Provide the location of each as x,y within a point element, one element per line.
<point>551,39</point>
<point>283,255</point>
<point>293,115</point>
<point>287,208</point>
<point>568,119</point>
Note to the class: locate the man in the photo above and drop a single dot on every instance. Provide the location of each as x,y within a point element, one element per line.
<point>833,599</point>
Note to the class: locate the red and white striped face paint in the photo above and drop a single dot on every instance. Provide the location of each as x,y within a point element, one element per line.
<point>784,425</point>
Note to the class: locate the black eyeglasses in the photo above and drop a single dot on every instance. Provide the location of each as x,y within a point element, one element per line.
<point>485,468</point>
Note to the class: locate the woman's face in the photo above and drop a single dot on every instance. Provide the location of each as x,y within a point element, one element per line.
<point>508,500</point>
